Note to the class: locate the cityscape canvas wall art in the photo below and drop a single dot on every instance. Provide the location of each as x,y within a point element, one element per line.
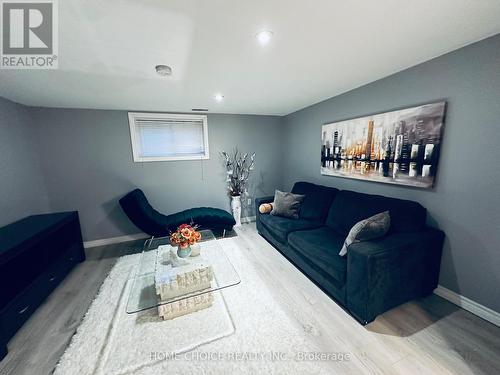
<point>398,147</point>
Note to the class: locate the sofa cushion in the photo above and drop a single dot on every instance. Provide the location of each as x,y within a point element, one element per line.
<point>374,227</point>
<point>317,201</point>
<point>280,227</point>
<point>320,247</point>
<point>286,204</point>
<point>349,207</point>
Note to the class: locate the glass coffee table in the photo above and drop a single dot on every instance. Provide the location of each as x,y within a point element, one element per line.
<point>179,286</point>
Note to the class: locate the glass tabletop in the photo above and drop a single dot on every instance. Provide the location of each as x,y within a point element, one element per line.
<point>163,278</point>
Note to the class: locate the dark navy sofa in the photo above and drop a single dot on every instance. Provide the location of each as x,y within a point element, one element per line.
<point>376,275</point>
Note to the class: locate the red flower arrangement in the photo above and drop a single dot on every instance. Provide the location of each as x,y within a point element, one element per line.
<point>185,235</point>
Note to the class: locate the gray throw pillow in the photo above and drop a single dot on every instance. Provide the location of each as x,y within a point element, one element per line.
<point>287,204</point>
<point>374,227</point>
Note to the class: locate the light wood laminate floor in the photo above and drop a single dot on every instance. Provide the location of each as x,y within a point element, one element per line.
<point>427,336</point>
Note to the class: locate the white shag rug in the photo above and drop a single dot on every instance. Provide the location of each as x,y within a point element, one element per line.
<point>246,331</point>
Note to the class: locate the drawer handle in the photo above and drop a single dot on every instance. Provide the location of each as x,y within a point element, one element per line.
<point>52,278</point>
<point>22,311</point>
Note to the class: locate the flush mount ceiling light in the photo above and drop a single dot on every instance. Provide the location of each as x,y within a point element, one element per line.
<point>264,36</point>
<point>219,97</point>
<point>163,70</point>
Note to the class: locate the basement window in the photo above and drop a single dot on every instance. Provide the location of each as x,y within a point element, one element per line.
<point>168,137</point>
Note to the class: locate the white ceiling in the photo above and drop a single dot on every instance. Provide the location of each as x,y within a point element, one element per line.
<point>321,48</point>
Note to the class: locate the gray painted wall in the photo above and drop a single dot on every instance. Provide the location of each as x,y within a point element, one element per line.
<point>465,202</point>
<point>22,189</point>
<point>87,163</point>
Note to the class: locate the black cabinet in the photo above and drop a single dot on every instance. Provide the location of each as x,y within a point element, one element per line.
<point>36,253</point>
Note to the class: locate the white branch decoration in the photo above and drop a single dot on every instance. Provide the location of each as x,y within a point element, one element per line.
<point>238,168</point>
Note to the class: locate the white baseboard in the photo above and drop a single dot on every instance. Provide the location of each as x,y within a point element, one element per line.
<point>113,240</point>
<point>467,304</point>
<point>248,219</point>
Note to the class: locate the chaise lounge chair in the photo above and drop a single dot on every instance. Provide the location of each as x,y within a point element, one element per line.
<point>154,223</point>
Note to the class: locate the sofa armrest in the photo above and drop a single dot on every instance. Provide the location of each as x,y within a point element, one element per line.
<point>387,272</point>
<point>258,202</point>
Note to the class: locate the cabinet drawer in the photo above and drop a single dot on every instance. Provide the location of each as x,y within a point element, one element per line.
<point>58,270</point>
<point>24,304</point>
<point>20,309</point>
<point>54,246</point>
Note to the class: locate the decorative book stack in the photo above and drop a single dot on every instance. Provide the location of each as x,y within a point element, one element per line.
<point>176,279</point>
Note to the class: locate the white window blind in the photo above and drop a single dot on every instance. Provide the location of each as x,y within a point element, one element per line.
<point>164,136</point>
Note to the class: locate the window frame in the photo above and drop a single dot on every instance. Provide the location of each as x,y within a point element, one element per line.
<point>133,116</point>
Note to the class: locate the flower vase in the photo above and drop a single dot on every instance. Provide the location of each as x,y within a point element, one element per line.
<point>183,253</point>
<point>236,208</point>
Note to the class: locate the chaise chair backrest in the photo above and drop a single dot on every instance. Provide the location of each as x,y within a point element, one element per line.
<point>143,215</point>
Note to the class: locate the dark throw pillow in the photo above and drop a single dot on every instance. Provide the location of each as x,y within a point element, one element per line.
<point>287,204</point>
<point>374,227</point>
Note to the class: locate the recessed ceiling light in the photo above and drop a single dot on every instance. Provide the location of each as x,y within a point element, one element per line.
<point>163,70</point>
<point>219,97</point>
<point>264,36</point>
